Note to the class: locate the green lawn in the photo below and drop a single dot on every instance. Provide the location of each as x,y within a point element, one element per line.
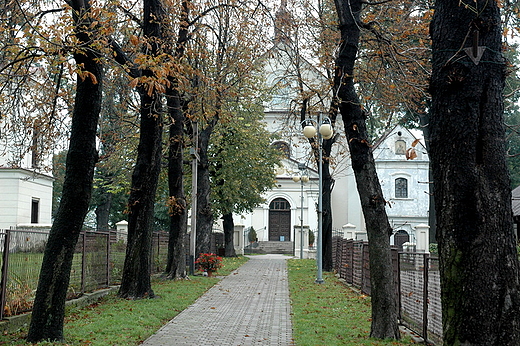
<point>327,314</point>
<point>114,321</point>
<point>330,313</point>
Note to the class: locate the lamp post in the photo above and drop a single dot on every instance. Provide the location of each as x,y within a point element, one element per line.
<point>325,132</point>
<point>194,183</point>
<point>302,179</point>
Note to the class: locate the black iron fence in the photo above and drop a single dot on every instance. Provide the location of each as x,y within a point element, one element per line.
<point>417,283</point>
<point>98,262</point>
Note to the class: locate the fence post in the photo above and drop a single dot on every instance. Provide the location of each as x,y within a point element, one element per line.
<point>158,252</point>
<point>108,258</point>
<point>362,266</point>
<point>399,299</point>
<point>83,261</point>
<point>426,260</point>
<point>351,244</point>
<point>5,266</point>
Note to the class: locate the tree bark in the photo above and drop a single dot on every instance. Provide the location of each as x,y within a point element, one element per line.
<point>384,304</point>
<point>103,212</point>
<point>176,262</point>
<point>229,233</point>
<point>478,260</point>
<point>49,304</point>
<point>135,282</point>
<point>205,216</point>
<point>327,206</point>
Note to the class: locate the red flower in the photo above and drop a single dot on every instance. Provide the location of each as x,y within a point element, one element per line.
<point>209,262</point>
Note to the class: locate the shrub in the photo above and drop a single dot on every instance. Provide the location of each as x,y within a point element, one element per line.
<point>312,237</point>
<point>209,262</point>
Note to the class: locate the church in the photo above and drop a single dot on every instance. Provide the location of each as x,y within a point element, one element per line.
<point>401,162</point>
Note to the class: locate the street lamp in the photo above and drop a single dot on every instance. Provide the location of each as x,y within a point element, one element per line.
<point>302,179</point>
<point>325,132</point>
<point>194,183</point>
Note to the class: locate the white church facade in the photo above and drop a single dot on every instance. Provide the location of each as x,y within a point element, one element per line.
<point>401,162</point>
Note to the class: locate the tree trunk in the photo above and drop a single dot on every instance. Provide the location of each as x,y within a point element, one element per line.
<point>384,305</point>
<point>49,304</point>
<point>204,212</point>
<point>478,260</point>
<point>229,234</point>
<point>135,282</point>
<point>176,263</point>
<point>103,212</point>
<point>327,207</point>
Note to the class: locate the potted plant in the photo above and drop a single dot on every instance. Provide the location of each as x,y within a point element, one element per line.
<point>209,263</point>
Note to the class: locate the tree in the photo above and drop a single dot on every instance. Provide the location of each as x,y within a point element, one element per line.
<point>222,60</point>
<point>242,166</point>
<point>135,282</point>
<point>35,93</point>
<point>384,305</point>
<point>49,304</point>
<point>478,260</point>
<point>117,144</point>
<point>178,209</point>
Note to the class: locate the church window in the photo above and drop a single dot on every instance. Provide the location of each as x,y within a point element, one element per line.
<point>280,204</point>
<point>283,147</point>
<point>401,188</point>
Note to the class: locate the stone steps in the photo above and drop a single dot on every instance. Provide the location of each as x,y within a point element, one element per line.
<point>270,247</point>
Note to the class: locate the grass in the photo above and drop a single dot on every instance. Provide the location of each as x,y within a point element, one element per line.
<point>329,313</point>
<point>114,321</point>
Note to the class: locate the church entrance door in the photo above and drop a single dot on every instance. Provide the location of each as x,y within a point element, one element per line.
<point>279,220</point>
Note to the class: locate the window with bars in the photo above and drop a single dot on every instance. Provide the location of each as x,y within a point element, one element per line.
<point>401,188</point>
<point>279,204</point>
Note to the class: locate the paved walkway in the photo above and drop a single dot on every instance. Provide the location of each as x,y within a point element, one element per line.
<point>249,307</point>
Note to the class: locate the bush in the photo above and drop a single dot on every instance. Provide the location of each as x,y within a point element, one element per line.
<point>312,237</point>
<point>209,262</point>
<point>251,236</point>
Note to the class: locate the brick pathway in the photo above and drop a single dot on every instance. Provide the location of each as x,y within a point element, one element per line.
<point>249,307</point>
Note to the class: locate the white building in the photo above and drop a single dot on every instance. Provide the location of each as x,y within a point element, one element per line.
<point>402,166</point>
<point>404,180</point>
<point>26,189</point>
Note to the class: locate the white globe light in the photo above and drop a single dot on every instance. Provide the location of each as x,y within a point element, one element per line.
<point>309,131</point>
<point>296,179</point>
<point>326,131</point>
<point>305,179</point>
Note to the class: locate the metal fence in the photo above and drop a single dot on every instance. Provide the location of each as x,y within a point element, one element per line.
<point>417,283</point>
<point>98,262</point>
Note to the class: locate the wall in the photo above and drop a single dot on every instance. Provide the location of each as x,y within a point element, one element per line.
<point>19,187</point>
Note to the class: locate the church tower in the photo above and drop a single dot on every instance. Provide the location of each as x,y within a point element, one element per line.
<point>283,24</point>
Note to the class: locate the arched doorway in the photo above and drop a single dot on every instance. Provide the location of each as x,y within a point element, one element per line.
<point>400,238</point>
<point>279,220</point>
